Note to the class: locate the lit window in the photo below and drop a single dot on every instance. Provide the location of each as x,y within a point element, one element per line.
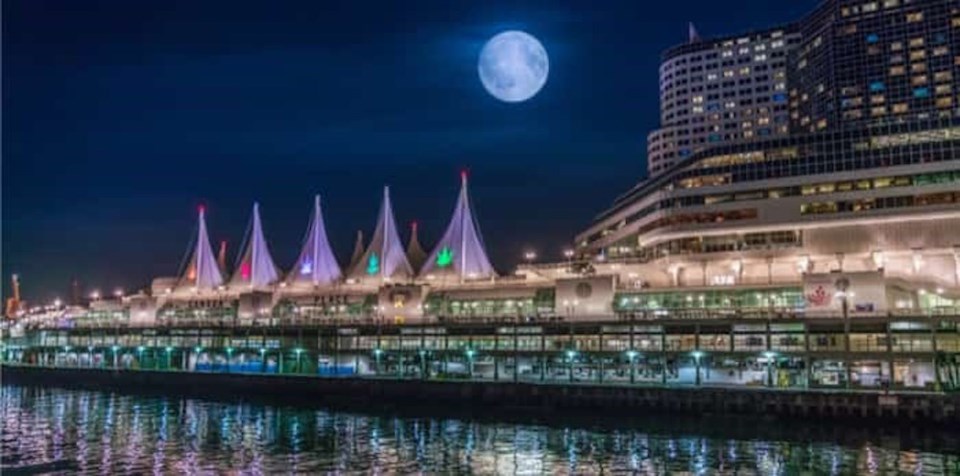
<point>914,17</point>
<point>921,93</point>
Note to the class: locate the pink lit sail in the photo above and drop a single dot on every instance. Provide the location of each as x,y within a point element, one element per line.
<point>460,251</point>
<point>316,264</point>
<point>256,268</point>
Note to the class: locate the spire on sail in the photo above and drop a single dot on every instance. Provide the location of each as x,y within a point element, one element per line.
<point>415,253</point>
<point>316,264</point>
<point>357,250</point>
<point>202,271</point>
<point>461,250</point>
<point>384,257</point>
<point>255,266</point>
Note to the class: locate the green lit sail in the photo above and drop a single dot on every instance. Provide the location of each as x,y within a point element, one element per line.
<point>373,264</point>
<point>444,257</point>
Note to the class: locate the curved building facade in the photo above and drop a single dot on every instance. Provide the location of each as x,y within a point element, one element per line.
<point>721,91</point>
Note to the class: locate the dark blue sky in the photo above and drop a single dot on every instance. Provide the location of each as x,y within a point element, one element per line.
<point>119,117</point>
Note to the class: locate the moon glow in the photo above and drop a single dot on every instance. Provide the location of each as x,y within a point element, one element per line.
<point>513,66</point>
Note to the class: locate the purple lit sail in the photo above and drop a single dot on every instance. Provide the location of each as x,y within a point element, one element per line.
<point>316,264</point>
<point>255,268</point>
<point>202,271</point>
<point>460,251</point>
<point>384,258</point>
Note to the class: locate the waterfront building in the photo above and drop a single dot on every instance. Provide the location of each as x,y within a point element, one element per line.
<point>803,256</point>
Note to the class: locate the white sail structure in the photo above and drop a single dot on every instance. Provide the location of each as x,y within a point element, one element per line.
<point>255,267</point>
<point>415,253</point>
<point>385,258</point>
<point>316,264</point>
<point>460,251</point>
<point>202,271</point>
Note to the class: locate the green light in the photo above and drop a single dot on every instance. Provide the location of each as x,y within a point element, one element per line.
<point>169,349</point>
<point>373,264</point>
<point>198,349</point>
<point>141,348</point>
<point>444,257</point>
<point>229,350</point>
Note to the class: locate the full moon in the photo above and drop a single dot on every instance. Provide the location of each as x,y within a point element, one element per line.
<point>513,66</point>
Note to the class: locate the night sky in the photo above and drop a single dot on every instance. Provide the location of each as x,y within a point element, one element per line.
<point>120,117</point>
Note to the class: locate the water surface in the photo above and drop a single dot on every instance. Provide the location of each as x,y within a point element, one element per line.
<point>102,432</point>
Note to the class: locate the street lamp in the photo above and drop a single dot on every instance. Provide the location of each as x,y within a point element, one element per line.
<point>769,356</point>
<point>376,355</point>
<point>118,292</point>
<point>571,358</point>
<point>95,295</point>
<point>631,357</point>
<point>529,255</point>
<point>470,354</point>
<point>696,360</point>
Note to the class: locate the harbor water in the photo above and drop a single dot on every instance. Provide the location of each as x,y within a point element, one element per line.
<point>69,431</point>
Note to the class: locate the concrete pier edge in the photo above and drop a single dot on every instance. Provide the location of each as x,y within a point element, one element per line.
<point>543,398</point>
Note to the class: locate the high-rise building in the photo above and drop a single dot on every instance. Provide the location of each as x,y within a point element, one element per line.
<point>721,91</point>
<point>865,176</point>
<point>879,62</point>
<point>849,63</point>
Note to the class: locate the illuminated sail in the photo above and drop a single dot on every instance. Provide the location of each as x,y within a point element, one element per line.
<point>460,251</point>
<point>384,258</point>
<point>202,271</point>
<point>255,267</point>
<point>316,264</point>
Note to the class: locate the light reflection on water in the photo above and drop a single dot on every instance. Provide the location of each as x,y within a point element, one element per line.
<point>112,433</point>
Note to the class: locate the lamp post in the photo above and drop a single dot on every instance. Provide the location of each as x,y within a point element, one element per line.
<point>842,285</point>
<point>571,358</point>
<point>299,352</point>
<point>770,356</point>
<point>631,357</point>
<point>696,361</point>
<point>470,354</point>
<point>376,358</point>
<point>568,254</point>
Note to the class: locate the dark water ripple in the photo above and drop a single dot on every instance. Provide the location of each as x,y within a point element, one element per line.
<point>108,433</point>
